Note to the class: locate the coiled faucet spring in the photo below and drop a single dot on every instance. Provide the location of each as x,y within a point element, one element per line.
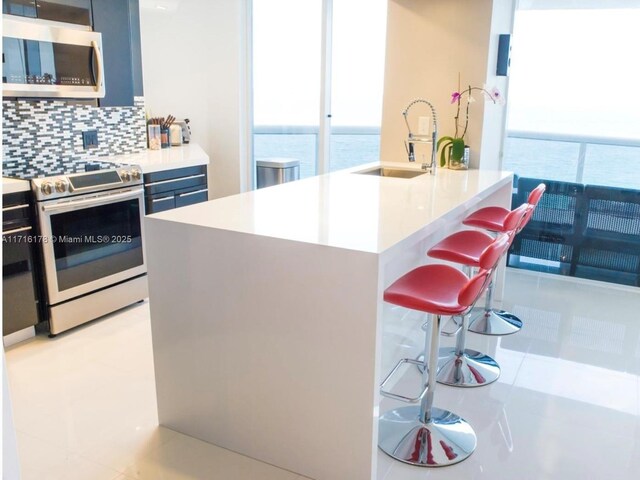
<point>413,139</point>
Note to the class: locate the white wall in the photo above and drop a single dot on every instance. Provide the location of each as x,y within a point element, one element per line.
<point>194,66</point>
<point>428,44</point>
<point>495,119</point>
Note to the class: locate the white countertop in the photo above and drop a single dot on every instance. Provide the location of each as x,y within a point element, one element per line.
<point>150,161</point>
<point>346,210</point>
<point>13,185</point>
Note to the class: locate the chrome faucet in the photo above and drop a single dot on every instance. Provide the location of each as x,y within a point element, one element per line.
<point>426,139</point>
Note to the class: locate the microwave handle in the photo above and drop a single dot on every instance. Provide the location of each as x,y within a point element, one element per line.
<point>98,56</point>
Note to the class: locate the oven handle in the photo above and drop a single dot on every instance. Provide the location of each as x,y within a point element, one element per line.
<point>74,204</point>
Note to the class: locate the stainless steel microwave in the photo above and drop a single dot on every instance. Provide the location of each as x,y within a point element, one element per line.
<point>43,58</point>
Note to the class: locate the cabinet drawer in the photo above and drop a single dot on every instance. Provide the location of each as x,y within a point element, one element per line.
<point>19,300</point>
<point>173,184</point>
<point>189,198</point>
<point>160,203</point>
<point>174,174</point>
<point>16,210</point>
<point>15,216</point>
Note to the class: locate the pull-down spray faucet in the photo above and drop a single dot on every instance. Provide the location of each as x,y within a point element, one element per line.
<point>426,139</point>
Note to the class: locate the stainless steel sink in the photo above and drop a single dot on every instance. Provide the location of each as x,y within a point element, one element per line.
<point>392,172</point>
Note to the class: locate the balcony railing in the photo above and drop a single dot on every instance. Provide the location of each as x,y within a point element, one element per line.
<point>588,222</point>
<point>350,146</point>
<point>574,158</point>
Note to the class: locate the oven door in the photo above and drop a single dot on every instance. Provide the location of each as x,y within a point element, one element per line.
<point>91,242</point>
<point>44,59</point>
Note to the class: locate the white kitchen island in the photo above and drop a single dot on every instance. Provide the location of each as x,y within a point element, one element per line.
<point>267,311</point>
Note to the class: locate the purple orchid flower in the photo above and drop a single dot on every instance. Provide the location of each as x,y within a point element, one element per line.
<point>455,97</point>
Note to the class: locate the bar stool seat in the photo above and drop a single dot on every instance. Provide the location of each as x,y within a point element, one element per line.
<point>463,247</point>
<point>428,436</point>
<point>431,288</point>
<point>493,218</point>
<point>489,218</point>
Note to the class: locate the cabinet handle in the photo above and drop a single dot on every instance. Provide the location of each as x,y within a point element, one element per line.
<point>174,180</point>
<point>188,194</point>
<point>17,230</point>
<point>15,207</point>
<point>163,199</point>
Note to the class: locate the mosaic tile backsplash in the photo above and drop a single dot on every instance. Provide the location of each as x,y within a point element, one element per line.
<point>40,135</point>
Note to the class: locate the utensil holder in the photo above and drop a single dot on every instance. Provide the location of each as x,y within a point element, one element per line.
<point>164,136</point>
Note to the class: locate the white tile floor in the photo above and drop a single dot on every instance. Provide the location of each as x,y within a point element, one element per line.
<point>567,405</point>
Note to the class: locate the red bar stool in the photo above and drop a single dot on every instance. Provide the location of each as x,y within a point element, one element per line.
<point>492,218</point>
<point>460,366</point>
<point>487,320</point>
<point>424,435</point>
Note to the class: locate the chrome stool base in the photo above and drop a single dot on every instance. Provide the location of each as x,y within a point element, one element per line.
<point>472,369</point>
<point>444,440</point>
<point>493,322</point>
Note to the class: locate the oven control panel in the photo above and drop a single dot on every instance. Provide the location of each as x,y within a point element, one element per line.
<point>86,182</point>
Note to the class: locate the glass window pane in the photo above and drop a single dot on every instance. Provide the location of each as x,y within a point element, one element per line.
<point>286,80</point>
<point>575,83</point>
<point>573,121</point>
<point>612,165</point>
<point>289,145</point>
<point>358,56</point>
<point>351,147</point>
<point>541,158</point>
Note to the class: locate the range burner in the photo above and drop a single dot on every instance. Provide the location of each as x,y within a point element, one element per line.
<point>54,168</point>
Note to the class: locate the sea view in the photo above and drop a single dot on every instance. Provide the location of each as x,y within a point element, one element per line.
<point>610,165</point>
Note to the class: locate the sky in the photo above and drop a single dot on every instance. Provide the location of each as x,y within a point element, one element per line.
<point>576,72</point>
<point>572,71</point>
<point>287,60</point>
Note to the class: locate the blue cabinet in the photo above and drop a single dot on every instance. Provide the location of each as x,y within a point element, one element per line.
<point>20,302</point>
<point>68,11</point>
<point>119,23</point>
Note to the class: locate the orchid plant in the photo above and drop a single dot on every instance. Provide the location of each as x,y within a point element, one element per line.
<point>456,142</point>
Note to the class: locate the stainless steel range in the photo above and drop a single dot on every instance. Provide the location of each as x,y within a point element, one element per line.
<point>92,242</point>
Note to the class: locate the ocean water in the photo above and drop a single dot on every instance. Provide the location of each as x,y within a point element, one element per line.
<point>346,150</point>
<point>610,165</point>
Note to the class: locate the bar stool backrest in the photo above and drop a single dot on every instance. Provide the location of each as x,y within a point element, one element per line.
<point>536,194</point>
<point>532,202</point>
<point>472,290</point>
<point>513,220</point>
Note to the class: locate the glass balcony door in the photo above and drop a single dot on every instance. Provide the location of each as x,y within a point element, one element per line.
<point>357,74</point>
<point>287,51</point>
<point>318,68</point>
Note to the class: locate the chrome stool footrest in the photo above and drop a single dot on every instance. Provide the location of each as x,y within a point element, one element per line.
<point>402,398</point>
<point>459,326</point>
